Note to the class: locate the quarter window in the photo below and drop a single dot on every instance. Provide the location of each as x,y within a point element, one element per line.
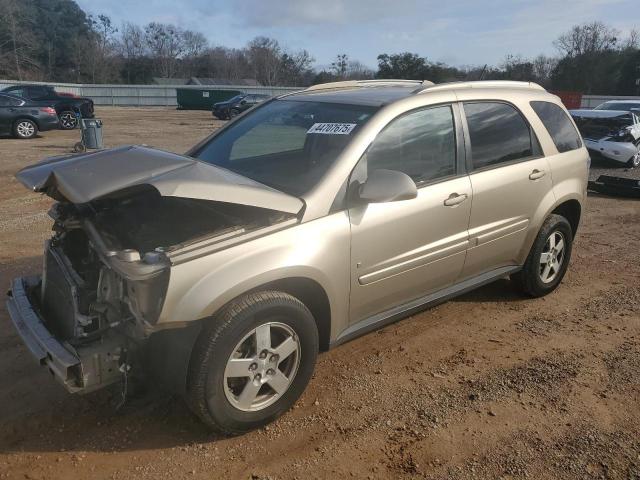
<point>558,125</point>
<point>498,134</point>
<point>421,144</point>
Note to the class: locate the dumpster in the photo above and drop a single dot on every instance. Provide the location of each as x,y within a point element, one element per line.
<point>202,99</point>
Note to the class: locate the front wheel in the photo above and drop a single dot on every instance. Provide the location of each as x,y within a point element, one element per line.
<point>25,129</point>
<point>68,120</point>
<point>634,162</point>
<point>548,259</point>
<point>252,362</point>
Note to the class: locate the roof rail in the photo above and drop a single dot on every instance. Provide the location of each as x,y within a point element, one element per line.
<point>368,83</point>
<point>481,84</point>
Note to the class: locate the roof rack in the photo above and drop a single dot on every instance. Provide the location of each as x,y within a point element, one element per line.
<point>481,84</point>
<point>368,83</point>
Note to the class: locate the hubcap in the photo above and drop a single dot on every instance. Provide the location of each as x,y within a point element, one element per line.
<point>262,366</point>
<point>636,159</point>
<point>25,129</point>
<point>552,257</point>
<point>68,120</point>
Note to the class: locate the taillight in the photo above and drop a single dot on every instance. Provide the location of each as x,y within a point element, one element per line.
<point>48,110</point>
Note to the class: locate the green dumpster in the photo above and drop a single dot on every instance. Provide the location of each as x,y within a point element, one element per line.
<point>202,99</point>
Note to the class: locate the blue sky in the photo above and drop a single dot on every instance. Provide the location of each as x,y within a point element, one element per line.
<point>459,32</point>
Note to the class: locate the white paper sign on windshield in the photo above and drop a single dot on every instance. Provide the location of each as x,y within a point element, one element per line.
<point>332,128</point>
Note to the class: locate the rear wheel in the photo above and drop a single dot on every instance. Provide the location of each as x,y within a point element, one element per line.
<point>252,362</point>
<point>548,259</point>
<point>25,128</point>
<point>68,120</point>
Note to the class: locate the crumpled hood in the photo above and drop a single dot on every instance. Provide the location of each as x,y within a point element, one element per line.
<point>86,177</point>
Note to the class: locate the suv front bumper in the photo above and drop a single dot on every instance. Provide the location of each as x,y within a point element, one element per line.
<point>80,370</point>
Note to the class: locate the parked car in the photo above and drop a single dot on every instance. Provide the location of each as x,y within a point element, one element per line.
<point>67,105</point>
<point>20,118</point>
<point>312,219</point>
<point>613,135</point>
<point>620,105</point>
<point>236,105</point>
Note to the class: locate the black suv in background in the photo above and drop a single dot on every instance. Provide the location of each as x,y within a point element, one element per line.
<point>236,105</point>
<point>22,119</point>
<point>65,104</point>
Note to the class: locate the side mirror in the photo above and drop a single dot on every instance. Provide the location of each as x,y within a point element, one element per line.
<point>387,186</point>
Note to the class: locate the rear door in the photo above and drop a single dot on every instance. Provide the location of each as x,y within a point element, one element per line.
<point>403,250</point>
<point>509,177</point>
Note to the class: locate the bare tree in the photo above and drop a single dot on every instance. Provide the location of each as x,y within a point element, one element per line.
<point>166,44</point>
<point>594,37</point>
<point>16,42</point>
<point>543,67</point>
<point>265,56</point>
<point>132,47</point>
<point>339,65</point>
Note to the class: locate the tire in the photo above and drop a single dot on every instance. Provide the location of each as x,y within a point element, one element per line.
<point>634,161</point>
<point>233,114</point>
<point>215,388</point>
<point>25,129</point>
<point>538,278</point>
<point>68,120</point>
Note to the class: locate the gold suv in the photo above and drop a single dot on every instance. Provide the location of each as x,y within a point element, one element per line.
<point>304,222</point>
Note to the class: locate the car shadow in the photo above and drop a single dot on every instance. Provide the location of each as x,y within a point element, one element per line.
<point>502,290</point>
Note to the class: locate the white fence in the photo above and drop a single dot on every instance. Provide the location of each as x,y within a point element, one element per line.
<point>144,95</point>
<point>165,95</point>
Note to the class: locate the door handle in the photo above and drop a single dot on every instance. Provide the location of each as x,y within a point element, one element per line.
<point>536,174</point>
<point>455,199</point>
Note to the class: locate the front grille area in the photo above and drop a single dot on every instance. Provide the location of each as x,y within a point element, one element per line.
<point>64,297</point>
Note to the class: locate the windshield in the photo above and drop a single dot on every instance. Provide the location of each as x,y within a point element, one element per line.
<point>623,107</point>
<point>286,144</point>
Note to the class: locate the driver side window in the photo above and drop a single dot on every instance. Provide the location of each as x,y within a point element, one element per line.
<point>421,144</point>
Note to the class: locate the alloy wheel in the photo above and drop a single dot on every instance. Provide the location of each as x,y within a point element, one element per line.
<point>262,367</point>
<point>68,120</point>
<point>552,257</point>
<point>25,129</point>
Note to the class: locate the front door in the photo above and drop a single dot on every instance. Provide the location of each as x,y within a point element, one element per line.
<point>403,250</point>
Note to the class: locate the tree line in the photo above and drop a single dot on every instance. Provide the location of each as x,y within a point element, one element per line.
<point>55,40</point>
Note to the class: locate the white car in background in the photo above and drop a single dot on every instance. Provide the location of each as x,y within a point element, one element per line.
<point>612,131</point>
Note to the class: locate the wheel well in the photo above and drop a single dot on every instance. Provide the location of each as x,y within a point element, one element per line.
<point>571,211</point>
<point>313,296</point>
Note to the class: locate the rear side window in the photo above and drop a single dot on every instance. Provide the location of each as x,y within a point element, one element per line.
<point>498,134</point>
<point>558,125</point>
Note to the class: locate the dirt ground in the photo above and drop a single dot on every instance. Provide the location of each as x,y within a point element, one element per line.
<point>490,385</point>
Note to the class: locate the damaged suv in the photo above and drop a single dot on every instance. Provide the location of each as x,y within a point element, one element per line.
<point>611,131</point>
<point>314,218</point>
